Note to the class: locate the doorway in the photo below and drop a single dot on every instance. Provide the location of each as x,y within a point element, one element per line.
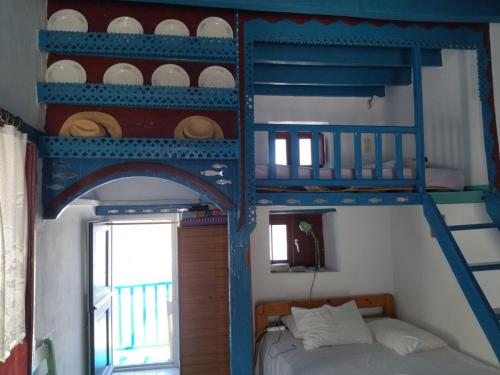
<point>142,264</point>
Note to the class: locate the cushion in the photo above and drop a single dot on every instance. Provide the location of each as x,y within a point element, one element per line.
<point>403,337</point>
<point>289,322</point>
<point>328,326</point>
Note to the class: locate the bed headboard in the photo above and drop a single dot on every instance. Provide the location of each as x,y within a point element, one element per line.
<point>281,308</point>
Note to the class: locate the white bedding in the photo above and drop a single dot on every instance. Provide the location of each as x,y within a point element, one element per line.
<point>442,178</point>
<point>359,359</point>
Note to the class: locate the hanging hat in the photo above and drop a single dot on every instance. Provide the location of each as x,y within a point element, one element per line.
<point>198,127</point>
<point>90,124</point>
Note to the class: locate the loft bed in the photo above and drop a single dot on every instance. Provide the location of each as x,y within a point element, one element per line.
<point>309,58</point>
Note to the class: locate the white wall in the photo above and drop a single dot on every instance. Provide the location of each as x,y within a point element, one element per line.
<point>495,61</point>
<point>21,65</point>
<point>452,114</point>
<point>60,303</point>
<point>362,241</point>
<point>426,291</point>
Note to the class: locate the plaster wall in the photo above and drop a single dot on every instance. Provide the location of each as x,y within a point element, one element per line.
<point>426,292</point>
<point>21,64</point>
<point>60,301</point>
<point>363,257</point>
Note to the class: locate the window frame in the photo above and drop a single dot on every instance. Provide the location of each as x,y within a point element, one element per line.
<point>303,135</point>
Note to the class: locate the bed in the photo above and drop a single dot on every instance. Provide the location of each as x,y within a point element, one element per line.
<point>279,353</point>
<point>435,178</point>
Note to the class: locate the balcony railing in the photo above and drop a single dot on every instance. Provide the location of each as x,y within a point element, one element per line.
<point>143,316</point>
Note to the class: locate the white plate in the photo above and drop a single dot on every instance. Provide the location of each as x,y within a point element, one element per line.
<point>66,71</point>
<point>170,75</point>
<point>68,20</point>
<point>172,27</point>
<point>125,25</point>
<point>214,27</point>
<point>216,76</point>
<point>123,74</point>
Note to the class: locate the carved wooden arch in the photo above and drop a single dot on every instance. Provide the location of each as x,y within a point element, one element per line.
<point>135,169</point>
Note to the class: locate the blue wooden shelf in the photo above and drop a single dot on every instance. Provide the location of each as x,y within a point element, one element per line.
<point>139,46</point>
<point>137,148</point>
<point>137,96</point>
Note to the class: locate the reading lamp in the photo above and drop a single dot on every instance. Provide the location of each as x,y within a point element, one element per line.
<point>306,227</point>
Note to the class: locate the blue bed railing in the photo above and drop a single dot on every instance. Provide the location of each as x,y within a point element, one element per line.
<point>335,133</point>
<point>143,316</point>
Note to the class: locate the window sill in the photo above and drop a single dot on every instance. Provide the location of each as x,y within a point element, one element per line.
<point>307,270</point>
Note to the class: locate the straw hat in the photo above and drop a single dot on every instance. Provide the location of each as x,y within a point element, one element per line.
<point>90,124</point>
<point>198,127</point>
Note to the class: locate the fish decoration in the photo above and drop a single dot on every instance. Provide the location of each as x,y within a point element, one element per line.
<point>131,211</point>
<point>222,182</point>
<point>65,175</point>
<point>113,211</point>
<point>402,199</point>
<point>165,210</point>
<point>292,201</point>
<point>54,187</point>
<point>148,211</point>
<point>209,173</point>
<point>374,200</point>
<point>348,200</point>
<point>320,200</point>
<point>218,166</point>
<point>60,163</point>
<point>265,201</point>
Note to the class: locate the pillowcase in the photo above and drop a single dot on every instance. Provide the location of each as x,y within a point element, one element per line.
<point>289,322</point>
<point>328,326</point>
<point>403,337</point>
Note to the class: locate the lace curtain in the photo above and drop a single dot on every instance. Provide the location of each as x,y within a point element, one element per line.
<point>13,238</point>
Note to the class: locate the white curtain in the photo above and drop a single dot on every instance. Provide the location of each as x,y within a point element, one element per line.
<point>13,238</point>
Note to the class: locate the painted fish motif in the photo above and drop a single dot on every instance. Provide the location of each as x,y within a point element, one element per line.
<point>265,201</point>
<point>148,211</point>
<point>222,182</point>
<point>402,199</point>
<point>292,201</point>
<point>113,211</point>
<point>131,211</point>
<point>218,166</point>
<point>374,200</point>
<point>348,200</point>
<point>65,175</point>
<point>54,187</point>
<point>320,200</point>
<point>210,173</point>
<point>60,163</point>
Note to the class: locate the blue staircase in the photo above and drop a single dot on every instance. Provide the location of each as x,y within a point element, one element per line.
<point>487,316</point>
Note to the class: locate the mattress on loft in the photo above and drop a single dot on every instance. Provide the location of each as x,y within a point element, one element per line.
<point>435,178</point>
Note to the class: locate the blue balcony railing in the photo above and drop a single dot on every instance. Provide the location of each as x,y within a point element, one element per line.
<point>143,316</point>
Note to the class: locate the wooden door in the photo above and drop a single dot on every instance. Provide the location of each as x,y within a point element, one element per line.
<point>100,298</point>
<point>203,300</point>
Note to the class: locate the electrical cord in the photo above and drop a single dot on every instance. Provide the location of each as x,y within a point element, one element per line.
<point>292,348</point>
<point>312,284</point>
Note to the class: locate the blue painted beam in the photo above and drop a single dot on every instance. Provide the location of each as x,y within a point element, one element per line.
<point>303,54</point>
<point>331,75</point>
<point>390,129</point>
<point>474,226</point>
<point>330,91</point>
<point>337,199</point>
<point>490,266</point>
<point>404,10</point>
<point>262,182</point>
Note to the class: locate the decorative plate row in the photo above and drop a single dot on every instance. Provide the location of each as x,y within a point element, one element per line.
<point>139,46</point>
<point>137,96</point>
<point>137,148</point>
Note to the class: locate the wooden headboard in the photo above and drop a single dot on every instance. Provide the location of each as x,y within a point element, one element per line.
<point>265,310</point>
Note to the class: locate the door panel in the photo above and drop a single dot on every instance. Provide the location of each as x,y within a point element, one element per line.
<point>100,299</point>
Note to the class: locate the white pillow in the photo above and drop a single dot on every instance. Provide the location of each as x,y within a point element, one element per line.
<point>403,337</point>
<point>328,326</point>
<point>289,322</point>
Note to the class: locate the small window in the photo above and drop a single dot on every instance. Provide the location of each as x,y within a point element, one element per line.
<point>278,240</point>
<point>293,242</point>
<point>283,153</point>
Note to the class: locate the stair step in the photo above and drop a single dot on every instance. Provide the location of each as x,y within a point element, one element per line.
<point>497,312</point>
<point>474,226</point>
<point>488,266</point>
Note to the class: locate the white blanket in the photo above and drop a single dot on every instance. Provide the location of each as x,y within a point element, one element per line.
<point>285,355</point>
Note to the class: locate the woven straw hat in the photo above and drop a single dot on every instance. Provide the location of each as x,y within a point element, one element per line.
<point>90,124</point>
<point>198,127</point>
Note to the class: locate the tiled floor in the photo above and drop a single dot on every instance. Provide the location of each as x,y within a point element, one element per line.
<point>169,371</point>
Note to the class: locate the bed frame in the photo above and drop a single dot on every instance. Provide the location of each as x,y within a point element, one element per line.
<point>264,311</point>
